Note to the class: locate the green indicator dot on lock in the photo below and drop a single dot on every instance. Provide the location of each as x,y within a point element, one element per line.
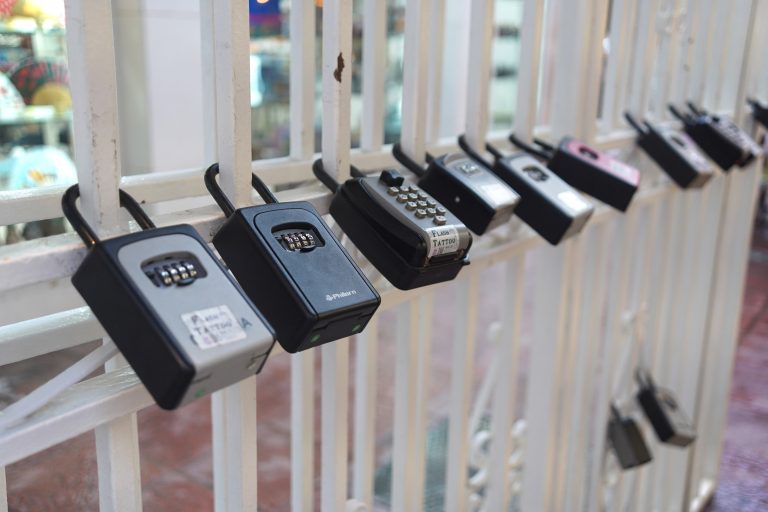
<point>356,328</point>
<point>314,338</point>
<point>200,392</point>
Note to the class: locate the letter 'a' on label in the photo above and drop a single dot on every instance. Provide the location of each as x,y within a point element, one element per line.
<point>443,240</point>
<point>212,327</point>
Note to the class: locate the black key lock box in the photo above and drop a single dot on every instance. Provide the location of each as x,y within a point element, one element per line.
<point>293,268</point>
<point>663,411</point>
<point>467,188</point>
<point>170,306</point>
<point>674,152</point>
<point>409,237</point>
<point>730,133</point>
<point>720,144</point>
<point>593,172</point>
<point>759,111</point>
<point>627,441</point>
<point>549,205</point>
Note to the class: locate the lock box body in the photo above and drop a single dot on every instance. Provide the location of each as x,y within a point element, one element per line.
<point>714,141</point>
<point>730,131</point>
<point>677,155</point>
<point>670,423</point>
<point>628,443</point>
<point>174,311</point>
<point>595,173</point>
<point>296,272</point>
<point>407,235</point>
<point>471,191</point>
<point>547,204</point>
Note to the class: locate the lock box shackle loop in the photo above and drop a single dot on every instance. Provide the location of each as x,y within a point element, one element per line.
<point>223,201</point>
<point>543,150</point>
<point>81,227</point>
<point>695,109</point>
<point>684,117</point>
<point>634,123</point>
<point>329,181</point>
<point>465,147</point>
<point>410,164</point>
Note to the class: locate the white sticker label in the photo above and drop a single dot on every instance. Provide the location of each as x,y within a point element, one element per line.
<point>213,326</point>
<point>498,194</point>
<point>443,240</point>
<point>572,200</point>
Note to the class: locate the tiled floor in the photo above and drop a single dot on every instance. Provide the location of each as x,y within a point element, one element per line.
<point>176,453</point>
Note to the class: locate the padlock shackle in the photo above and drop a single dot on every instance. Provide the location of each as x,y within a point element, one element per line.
<point>695,109</point>
<point>643,377</point>
<point>682,117</point>
<point>615,411</point>
<point>409,163</point>
<point>81,227</point>
<point>223,201</point>
<point>529,148</point>
<point>634,123</point>
<point>321,174</point>
<point>465,147</point>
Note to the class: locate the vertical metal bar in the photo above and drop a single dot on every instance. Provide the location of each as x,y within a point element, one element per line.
<point>302,84</point>
<point>208,59</point>
<point>700,59</point>
<point>231,40</point>
<point>366,347</point>
<point>233,411</point>
<point>479,71</point>
<point>461,393</point>
<point>423,342</point>
<point>93,81</point>
<point>3,491</point>
<point>374,74</point>
<point>415,65</point>
<point>505,391</point>
<point>620,270</point>
<point>302,430</point>
<point>549,316</point>
<point>529,67</point>
<point>644,57</point>
<point>337,86</point>
<point>435,71</point>
<point>410,403</point>
<point>334,411</point>
<point>617,64</point>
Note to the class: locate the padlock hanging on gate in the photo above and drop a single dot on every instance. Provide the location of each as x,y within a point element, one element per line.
<point>674,152</point>
<point>549,205</point>
<point>663,411</point>
<point>182,322</point>
<point>479,198</point>
<point>732,132</point>
<point>593,172</point>
<point>713,137</point>
<point>293,268</point>
<point>627,440</point>
<point>759,111</point>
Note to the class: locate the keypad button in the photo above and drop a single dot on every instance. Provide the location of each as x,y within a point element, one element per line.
<point>404,189</point>
<point>393,191</point>
<point>422,204</point>
<point>415,189</point>
<point>421,213</point>
<point>431,212</point>
<point>413,197</point>
<point>422,196</point>
<point>410,206</point>
<point>431,202</point>
<point>439,220</point>
<point>441,210</point>
<point>402,198</point>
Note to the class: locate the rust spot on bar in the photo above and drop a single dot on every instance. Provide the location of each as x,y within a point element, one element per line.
<point>339,68</point>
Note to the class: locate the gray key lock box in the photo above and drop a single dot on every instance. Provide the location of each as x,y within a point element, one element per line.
<point>170,306</point>
<point>627,441</point>
<point>661,407</point>
<point>293,268</point>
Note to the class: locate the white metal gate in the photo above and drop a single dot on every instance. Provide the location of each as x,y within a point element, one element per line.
<point>669,272</point>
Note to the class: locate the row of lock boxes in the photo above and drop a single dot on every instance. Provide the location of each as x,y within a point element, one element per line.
<point>189,326</point>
